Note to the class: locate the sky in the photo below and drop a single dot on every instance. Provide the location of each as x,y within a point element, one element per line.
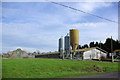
<point>34,26</point>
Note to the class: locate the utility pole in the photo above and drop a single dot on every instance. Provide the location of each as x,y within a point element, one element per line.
<point>100,50</point>
<point>100,44</point>
<point>119,21</point>
<point>112,50</point>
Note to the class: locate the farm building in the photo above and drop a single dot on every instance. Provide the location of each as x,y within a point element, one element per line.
<point>48,55</point>
<point>81,54</point>
<point>91,53</point>
<point>68,48</point>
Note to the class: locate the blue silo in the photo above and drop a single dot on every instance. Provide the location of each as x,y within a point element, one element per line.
<point>67,42</point>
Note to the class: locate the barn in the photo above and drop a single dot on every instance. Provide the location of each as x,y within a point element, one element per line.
<point>92,53</point>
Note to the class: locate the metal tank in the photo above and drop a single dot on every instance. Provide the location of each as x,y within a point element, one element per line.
<point>67,42</point>
<point>67,45</point>
<point>74,39</point>
<point>61,44</point>
<point>61,47</point>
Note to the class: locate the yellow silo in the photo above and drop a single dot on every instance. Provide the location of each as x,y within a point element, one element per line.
<point>74,39</point>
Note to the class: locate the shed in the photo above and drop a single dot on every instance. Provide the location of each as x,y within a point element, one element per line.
<point>92,53</point>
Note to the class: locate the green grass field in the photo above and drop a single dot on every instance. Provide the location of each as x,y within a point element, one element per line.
<point>53,68</point>
<point>114,59</point>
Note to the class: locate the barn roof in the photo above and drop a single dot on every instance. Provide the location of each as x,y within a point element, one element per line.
<point>86,49</point>
<point>49,53</point>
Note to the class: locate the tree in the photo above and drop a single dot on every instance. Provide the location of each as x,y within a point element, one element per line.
<point>79,47</point>
<point>85,46</point>
<point>34,52</point>
<point>92,44</point>
<point>108,44</point>
<point>117,45</point>
<point>102,46</point>
<point>105,46</point>
<point>96,44</point>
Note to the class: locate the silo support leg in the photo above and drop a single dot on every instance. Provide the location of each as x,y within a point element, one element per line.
<point>70,56</point>
<point>63,56</point>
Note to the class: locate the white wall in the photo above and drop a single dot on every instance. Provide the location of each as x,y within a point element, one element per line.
<point>93,54</point>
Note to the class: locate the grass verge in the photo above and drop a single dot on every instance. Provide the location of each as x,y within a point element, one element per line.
<point>53,68</point>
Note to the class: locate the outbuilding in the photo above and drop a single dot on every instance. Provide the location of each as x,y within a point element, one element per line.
<point>92,53</point>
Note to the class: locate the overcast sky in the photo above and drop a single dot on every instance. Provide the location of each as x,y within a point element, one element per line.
<point>38,25</point>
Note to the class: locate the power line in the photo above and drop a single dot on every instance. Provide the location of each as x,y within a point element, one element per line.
<point>82,11</point>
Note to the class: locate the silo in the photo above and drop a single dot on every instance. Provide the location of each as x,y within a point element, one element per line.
<point>61,47</point>
<point>67,45</point>
<point>67,42</point>
<point>61,44</point>
<point>74,39</point>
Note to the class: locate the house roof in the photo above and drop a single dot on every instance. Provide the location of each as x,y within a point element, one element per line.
<point>86,49</point>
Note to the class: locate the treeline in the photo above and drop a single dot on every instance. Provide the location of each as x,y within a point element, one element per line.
<point>105,46</point>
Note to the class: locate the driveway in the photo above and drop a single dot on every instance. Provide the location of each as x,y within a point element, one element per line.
<point>105,75</point>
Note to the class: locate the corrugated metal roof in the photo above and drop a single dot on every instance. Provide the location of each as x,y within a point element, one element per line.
<point>117,50</point>
<point>48,53</point>
<point>80,50</point>
<point>86,49</point>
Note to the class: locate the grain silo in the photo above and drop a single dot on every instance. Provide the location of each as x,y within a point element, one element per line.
<point>67,45</point>
<point>74,39</point>
<point>67,42</point>
<point>61,44</point>
<point>61,47</point>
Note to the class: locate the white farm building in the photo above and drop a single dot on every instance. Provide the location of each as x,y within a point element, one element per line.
<point>91,53</point>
